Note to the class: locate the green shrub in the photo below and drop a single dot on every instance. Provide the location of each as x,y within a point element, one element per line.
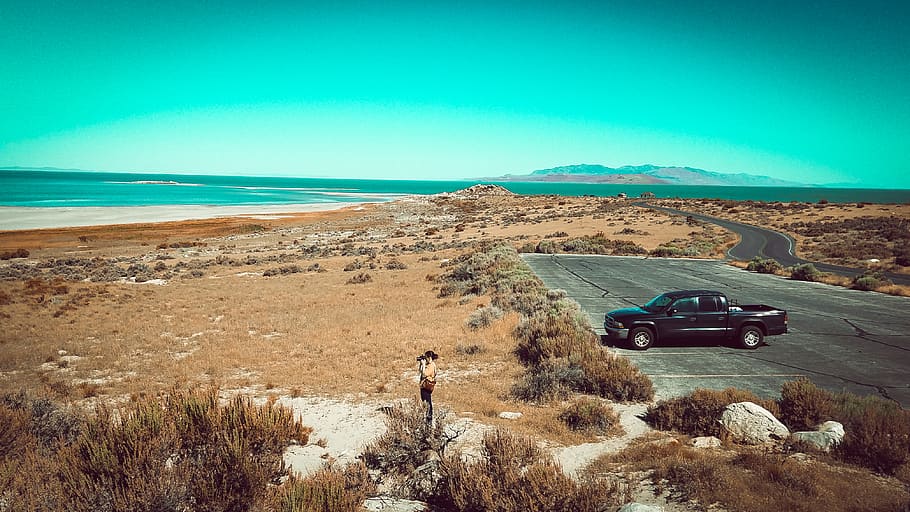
<point>803,405</point>
<point>514,475</point>
<point>589,244</point>
<point>483,317</point>
<point>590,415</point>
<point>550,380</point>
<point>764,266</point>
<point>697,414</point>
<point>805,272</point>
<point>870,280</point>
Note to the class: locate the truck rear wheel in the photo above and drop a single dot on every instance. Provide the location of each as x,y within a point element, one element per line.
<point>750,337</point>
<point>641,338</point>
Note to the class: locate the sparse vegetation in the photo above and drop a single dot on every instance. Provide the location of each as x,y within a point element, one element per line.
<point>590,244</point>
<point>553,338</point>
<point>220,329</point>
<point>360,278</point>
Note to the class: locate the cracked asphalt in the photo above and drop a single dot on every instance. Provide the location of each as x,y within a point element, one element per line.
<point>843,340</point>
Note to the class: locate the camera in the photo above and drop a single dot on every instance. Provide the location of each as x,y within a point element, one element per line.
<point>421,358</point>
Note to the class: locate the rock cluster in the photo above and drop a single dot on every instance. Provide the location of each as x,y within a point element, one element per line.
<point>479,190</point>
<point>749,423</point>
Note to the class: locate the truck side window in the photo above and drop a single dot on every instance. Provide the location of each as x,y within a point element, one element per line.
<point>686,305</point>
<point>709,304</point>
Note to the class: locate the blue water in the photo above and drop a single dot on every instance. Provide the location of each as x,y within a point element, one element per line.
<point>84,188</point>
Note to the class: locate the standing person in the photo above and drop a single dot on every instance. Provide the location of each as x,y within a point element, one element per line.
<point>427,363</point>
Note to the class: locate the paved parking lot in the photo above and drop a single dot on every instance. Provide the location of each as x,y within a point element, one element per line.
<point>841,339</point>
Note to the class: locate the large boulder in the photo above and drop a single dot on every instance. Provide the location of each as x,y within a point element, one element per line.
<point>828,435</point>
<point>751,423</point>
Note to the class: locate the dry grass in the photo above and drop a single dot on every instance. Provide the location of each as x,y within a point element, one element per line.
<point>756,481</point>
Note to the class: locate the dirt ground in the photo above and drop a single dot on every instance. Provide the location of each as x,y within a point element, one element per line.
<point>309,309</point>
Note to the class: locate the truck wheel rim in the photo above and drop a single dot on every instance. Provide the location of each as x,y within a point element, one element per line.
<point>750,338</point>
<point>642,339</point>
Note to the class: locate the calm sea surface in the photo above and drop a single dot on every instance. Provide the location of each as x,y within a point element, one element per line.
<point>83,188</point>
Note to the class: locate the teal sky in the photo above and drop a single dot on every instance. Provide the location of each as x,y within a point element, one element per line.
<point>815,92</point>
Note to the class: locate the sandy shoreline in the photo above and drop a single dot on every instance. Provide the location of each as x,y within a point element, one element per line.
<point>13,218</point>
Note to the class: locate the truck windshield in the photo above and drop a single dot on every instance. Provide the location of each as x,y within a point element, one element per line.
<point>658,303</point>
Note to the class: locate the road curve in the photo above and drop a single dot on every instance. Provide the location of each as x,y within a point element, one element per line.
<point>756,241</point>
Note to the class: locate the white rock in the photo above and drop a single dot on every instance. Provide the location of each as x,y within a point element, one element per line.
<point>834,428</point>
<point>640,507</point>
<point>828,435</point>
<point>390,504</point>
<point>706,442</point>
<point>752,424</point>
<point>510,415</point>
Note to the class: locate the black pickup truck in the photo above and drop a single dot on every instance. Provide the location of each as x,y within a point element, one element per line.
<point>701,314</point>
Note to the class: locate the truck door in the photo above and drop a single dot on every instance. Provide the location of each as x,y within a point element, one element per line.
<point>682,319</point>
<point>712,316</point>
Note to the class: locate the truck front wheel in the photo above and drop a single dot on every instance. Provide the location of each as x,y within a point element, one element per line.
<point>641,338</point>
<point>750,337</point>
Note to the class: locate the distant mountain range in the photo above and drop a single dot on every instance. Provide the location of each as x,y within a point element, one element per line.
<point>647,175</point>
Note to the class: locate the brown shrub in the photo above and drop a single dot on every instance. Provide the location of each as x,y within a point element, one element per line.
<point>697,414</point>
<point>18,253</point>
<point>329,490</point>
<point>407,439</point>
<point>591,415</point>
<point>878,432</point>
<point>546,336</point>
<point>803,405</point>
<point>513,474</point>
<point>42,287</point>
<point>360,278</point>
<point>188,451</point>
<point>610,376</point>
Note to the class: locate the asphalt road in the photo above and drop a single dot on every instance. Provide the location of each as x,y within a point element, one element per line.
<point>757,241</point>
<point>842,339</point>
